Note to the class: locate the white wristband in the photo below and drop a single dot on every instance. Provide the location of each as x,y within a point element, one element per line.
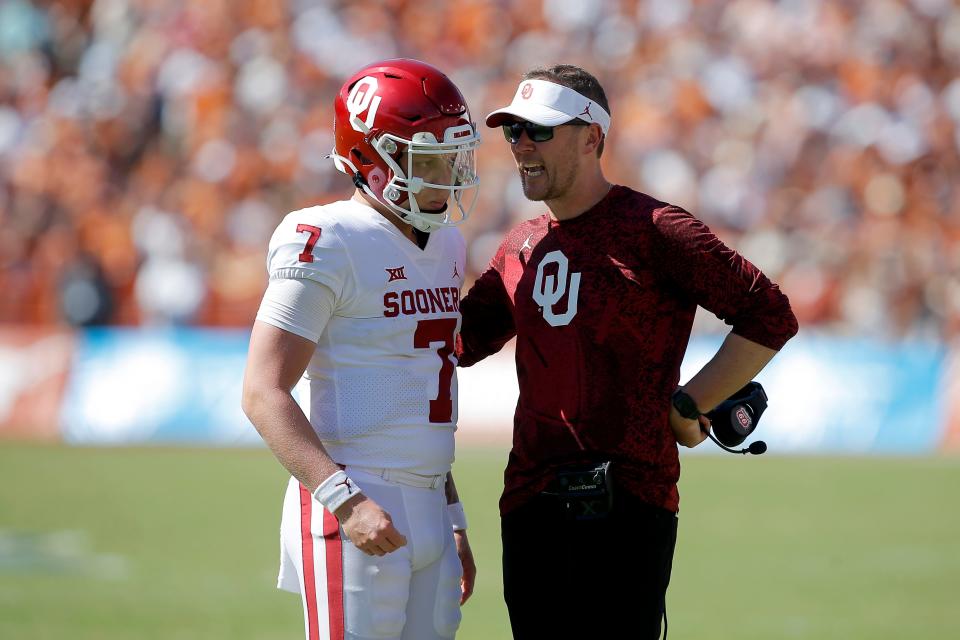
<point>335,490</point>
<point>457,516</point>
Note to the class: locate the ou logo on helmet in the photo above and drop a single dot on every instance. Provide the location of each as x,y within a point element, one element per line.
<point>548,290</point>
<point>363,97</point>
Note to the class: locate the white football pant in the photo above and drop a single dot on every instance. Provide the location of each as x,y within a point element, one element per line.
<point>412,593</point>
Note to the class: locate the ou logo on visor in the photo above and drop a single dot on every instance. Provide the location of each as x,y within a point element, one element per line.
<point>548,290</point>
<point>363,97</point>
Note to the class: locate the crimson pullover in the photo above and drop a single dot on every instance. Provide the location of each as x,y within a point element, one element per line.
<point>602,306</point>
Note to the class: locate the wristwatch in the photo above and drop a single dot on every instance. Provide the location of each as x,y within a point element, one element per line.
<point>685,405</point>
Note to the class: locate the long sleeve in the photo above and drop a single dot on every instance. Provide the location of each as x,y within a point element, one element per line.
<point>487,316</point>
<point>721,280</point>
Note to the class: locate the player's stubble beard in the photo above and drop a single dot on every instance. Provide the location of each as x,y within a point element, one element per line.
<point>557,179</point>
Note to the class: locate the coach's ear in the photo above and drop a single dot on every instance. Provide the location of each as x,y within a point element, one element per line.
<point>593,140</point>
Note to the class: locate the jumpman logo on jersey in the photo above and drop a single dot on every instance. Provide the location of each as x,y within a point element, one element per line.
<point>456,272</point>
<point>526,244</point>
<point>396,274</point>
<point>586,112</point>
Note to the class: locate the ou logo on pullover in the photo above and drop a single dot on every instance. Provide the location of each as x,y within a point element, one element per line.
<point>548,289</point>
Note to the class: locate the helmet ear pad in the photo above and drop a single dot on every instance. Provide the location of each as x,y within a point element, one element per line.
<point>377,178</point>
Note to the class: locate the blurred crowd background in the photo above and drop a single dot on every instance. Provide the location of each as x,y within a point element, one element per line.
<point>149,147</point>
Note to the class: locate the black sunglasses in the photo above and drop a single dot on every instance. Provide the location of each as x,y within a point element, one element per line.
<point>536,132</point>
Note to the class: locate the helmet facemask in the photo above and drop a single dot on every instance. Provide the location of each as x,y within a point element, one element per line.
<point>423,164</point>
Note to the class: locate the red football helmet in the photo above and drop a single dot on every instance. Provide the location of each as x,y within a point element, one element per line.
<point>403,132</point>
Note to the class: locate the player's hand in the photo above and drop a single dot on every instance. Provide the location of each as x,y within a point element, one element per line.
<point>368,526</point>
<point>689,433</point>
<point>469,576</point>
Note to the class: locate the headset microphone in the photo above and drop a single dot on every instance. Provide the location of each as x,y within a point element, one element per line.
<point>756,448</point>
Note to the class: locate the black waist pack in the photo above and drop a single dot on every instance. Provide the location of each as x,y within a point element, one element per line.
<point>585,492</point>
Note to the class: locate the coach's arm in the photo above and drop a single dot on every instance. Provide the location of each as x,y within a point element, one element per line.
<point>275,363</point>
<point>734,365</point>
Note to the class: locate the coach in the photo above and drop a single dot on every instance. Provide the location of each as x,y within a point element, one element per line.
<point>600,292</point>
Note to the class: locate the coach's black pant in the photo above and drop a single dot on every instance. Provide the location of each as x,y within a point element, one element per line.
<point>568,579</point>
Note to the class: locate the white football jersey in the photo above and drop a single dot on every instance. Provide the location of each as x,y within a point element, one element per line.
<point>381,388</point>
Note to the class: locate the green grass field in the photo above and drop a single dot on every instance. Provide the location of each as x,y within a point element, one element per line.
<point>111,544</point>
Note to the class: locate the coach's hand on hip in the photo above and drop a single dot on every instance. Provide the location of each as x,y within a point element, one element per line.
<point>689,433</point>
<point>369,527</point>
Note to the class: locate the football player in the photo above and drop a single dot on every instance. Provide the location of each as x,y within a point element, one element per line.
<point>350,377</point>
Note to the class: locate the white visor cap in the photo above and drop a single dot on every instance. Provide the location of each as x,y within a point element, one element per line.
<point>549,104</point>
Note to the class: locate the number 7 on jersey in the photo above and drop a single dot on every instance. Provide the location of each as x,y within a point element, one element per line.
<point>307,254</point>
<point>428,333</point>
